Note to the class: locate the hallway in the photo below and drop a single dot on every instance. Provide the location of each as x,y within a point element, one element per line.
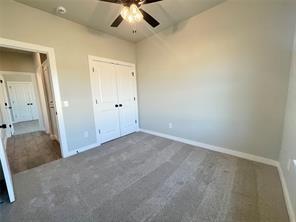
<point>30,150</point>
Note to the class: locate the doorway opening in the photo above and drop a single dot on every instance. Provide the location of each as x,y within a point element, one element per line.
<point>41,53</point>
<point>27,95</point>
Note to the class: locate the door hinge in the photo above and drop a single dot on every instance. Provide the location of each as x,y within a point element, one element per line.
<point>96,101</point>
<point>136,121</point>
<point>133,74</point>
<point>134,98</point>
<point>93,69</point>
<point>99,131</point>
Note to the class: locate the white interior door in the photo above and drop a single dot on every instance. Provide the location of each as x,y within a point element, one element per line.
<point>3,138</point>
<point>19,98</point>
<point>51,103</point>
<point>23,101</point>
<point>126,98</point>
<point>106,101</point>
<point>5,108</point>
<point>32,101</point>
<point>6,167</point>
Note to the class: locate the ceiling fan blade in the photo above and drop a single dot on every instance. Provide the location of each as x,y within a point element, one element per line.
<point>112,1</point>
<point>117,21</point>
<point>148,18</point>
<point>151,1</point>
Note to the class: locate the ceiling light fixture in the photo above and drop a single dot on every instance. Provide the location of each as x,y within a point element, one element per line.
<point>131,14</point>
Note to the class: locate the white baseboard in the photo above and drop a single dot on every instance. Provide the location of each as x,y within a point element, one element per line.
<point>215,148</point>
<point>286,195</point>
<point>82,149</point>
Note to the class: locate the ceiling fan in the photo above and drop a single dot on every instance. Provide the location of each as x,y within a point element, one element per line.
<point>131,11</point>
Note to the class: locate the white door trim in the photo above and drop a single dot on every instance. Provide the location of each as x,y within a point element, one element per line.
<point>112,61</point>
<point>91,59</point>
<point>8,43</point>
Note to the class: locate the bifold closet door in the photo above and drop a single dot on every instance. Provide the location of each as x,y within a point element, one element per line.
<point>126,99</point>
<point>106,101</point>
<point>19,97</point>
<point>32,101</point>
<point>114,95</point>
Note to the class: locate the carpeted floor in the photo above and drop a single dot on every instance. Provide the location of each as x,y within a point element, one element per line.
<point>30,150</point>
<point>26,127</point>
<point>145,178</point>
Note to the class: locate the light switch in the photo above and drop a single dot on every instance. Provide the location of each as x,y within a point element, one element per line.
<point>66,103</point>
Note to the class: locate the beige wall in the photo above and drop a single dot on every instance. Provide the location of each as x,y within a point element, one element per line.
<point>220,77</point>
<point>18,62</point>
<point>72,44</point>
<point>17,78</point>
<point>288,152</point>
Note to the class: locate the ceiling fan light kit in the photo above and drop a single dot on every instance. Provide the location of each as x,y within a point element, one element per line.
<point>132,12</point>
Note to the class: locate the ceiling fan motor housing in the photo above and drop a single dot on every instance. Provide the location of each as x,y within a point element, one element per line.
<point>130,2</point>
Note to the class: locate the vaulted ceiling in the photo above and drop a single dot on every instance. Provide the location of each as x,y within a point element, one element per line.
<point>99,15</point>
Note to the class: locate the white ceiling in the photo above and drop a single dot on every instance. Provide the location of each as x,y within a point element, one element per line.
<point>99,15</point>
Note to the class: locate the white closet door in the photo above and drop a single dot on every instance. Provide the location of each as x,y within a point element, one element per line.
<point>32,101</point>
<point>126,97</point>
<point>19,98</point>
<point>105,90</point>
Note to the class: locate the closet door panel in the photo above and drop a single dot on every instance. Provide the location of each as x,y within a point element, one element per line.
<point>106,112</point>
<point>126,98</point>
<point>19,98</point>
<point>32,101</point>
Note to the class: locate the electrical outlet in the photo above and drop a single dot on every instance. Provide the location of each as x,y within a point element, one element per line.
<point>170,125</point>
<point>66,103</point>
<point>85,134</point>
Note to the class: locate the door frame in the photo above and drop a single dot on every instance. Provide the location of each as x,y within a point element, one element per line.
<point>92,59</point>
<point>8,43</point>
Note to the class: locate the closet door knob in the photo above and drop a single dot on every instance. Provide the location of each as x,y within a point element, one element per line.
<point>120,105</point>
<point>116,105</point>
